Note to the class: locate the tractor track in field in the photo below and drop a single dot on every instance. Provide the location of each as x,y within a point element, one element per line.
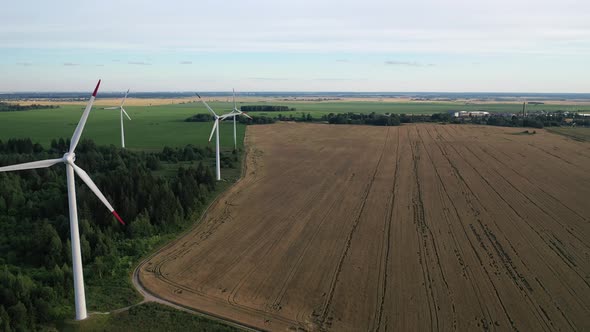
<point>423,231</point>
<point>549,242</point>
<point>330,297</point>
<point>388,241</point>
<point>505,258</point>
<point>477,235</point>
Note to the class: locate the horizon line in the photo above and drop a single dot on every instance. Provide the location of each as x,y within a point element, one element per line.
<point>303,92</point>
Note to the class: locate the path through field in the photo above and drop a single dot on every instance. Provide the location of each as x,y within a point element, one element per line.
<point>418,227</point>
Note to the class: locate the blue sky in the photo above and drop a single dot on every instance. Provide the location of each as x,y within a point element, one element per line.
<point>421,45</point>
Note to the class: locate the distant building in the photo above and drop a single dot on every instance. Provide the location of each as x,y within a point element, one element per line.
<point>479,113</point>
<point>470,114</point>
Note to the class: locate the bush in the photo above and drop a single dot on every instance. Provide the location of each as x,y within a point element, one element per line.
<point>201,117</point>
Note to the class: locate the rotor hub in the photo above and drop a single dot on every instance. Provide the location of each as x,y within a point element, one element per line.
<point>69,157</point>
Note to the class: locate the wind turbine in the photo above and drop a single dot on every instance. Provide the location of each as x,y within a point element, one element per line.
<point>216,131</point>
<point>122,111</point>
<point>235,112</point>
<point>68,159</point>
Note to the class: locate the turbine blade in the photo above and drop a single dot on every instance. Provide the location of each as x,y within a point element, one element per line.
<point>123,110</point>
<point>234,95</point>
<point>80,127</point>
<point>213,130</point>
<point>246,115</point>
<point>84,176</point>
<point>126,93</point>
<point>228,115</point>
<point>207,105</point>
<point>111,108</point>
<point>31,165</point>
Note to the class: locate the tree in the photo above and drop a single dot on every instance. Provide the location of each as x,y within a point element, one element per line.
<point>4,320</point>
<point>441,117</point>
<point>99,266</point>
<point>85,248</point>
<point>18,317</point>
<point>36,229</point>
<point>141,226</point>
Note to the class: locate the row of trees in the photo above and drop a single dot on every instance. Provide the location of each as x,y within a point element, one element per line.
<point>513,122</point>
<point>266,108</point>
<point>537,121</point>
<point>361,118</point>
<point>256,119</point>
<point>8,107</point>
<point>302,118</point>
<point>35,258</point>
<point>201,117</point>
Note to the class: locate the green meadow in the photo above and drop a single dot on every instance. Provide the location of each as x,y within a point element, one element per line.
<point>150,128</point>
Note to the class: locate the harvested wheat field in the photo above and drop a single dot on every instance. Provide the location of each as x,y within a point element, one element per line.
<point>419,227</point>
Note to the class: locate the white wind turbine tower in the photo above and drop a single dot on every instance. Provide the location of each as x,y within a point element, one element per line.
<point>216,131</point>
<point>122,111</point>
<point>235,112</point>
<point>68,159</point>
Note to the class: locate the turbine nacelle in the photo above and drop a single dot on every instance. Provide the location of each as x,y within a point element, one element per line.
<point>69,158</point>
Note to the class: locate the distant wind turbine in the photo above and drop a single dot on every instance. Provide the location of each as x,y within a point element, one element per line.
<point>68,159</point>
<point>235,112</point>
<point>216,131</point>
<point>122,111</point>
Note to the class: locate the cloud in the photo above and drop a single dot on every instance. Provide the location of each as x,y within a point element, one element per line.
<point>342,60</point>
<point>334,79</point>
<point>25,64</point>
<point>140,63</point>
<point>447,27</point>
<point>408,63</point>
<point>267,79</point>
<point>71,64</point>
<point>99,65</point>
<point>186,62</point>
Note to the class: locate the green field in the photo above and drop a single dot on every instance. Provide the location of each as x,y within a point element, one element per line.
<point>151,127</point>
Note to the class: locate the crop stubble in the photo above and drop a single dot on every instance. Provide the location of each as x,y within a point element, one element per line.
<point>418,227</point>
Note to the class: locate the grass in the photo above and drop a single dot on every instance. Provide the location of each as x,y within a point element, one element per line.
<point>146,317</point>
<point>151,128</point>
<point>576,133</point>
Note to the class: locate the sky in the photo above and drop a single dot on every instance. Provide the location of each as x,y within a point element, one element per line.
<point>321,45</point>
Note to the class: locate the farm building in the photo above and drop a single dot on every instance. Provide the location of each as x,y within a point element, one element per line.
<point>468,114</point>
